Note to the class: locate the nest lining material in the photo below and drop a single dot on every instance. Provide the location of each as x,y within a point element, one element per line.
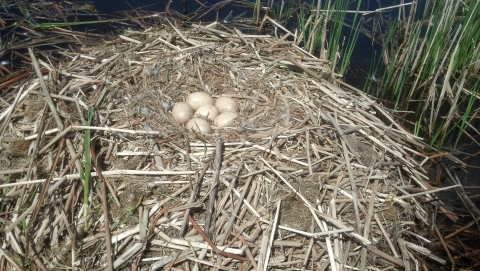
<point>313,174</point>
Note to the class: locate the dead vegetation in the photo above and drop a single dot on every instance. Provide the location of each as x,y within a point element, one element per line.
<point>313,175</point>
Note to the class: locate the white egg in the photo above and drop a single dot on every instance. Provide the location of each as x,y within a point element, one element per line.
<point>226,104</point>
<point>199,125</point>
<point>182,112</point>
<point>208,111</point>
<point>199,99</point>
<point>225,119</point>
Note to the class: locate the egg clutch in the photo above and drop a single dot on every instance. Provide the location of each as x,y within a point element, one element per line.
<point>199,110</point>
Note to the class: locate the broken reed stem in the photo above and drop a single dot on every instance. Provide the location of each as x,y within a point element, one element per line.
<point>428,192</point>
<point>235,211</point>
<point>221,205</point>
<point>439,234</point>
<point>10,111</point>
<point>107,129</point>
<point>109,173</point>
<point>328,242</point>
<point>461,191</point>
<point>341,134</point>
<point>386,236</point>
<point>309,250</point>
<point>34,255</point>
<point>103,197</point>
<point>309,159</point>
<point>215,183</point>
<point>163,202</point>
<point>471,223</point>
<point>183,229</point>
<point>272,234</point>
<point>353,186</point>
<point>211,244</point>
<point>43,192</point>
<point>368,220</point>
<point>194,193</point>
<point>154,221</point>
<point>333,212</point>
<point>46,93</point>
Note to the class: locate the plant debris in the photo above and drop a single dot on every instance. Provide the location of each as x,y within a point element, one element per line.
<point>311,175</point>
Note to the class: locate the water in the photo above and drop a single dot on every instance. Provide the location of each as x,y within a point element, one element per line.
<point>186,8</point>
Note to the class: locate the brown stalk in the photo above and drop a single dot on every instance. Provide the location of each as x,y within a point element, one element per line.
<point>235,211</point>
<point>214,186</point>
<point>47,182</point>
<point>211,244</point>
<point>193,193</point>
<point>108,238</point>
<point>154,221</point>
<point>13,78</point>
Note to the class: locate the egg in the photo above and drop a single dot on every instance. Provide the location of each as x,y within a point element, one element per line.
<point>225,119</point>
<point>182,112</point>
<point>208,111</point>
<point>199,99</point>
<point>226,104</point>
<point>199,125</point>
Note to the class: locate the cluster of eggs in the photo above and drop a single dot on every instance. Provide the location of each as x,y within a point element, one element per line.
<point>200,108</point>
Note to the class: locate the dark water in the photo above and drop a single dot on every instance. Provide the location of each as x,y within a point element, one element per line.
<point>188,8</point>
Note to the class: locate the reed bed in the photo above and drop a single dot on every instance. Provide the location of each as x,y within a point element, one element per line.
<point>429,66</point>
<point>313,175</point>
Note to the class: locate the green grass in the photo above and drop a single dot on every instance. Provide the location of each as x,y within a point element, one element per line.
<point>466,118</point>
<point>289,10</point>
<point>351,40</point>
<point>325,29</point>
<point>256,12</point>
<point>432,68</point>
<point>428,64</point>
<point>337,16</point>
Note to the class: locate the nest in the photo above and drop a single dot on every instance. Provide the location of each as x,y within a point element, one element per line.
<point>312,175</point>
